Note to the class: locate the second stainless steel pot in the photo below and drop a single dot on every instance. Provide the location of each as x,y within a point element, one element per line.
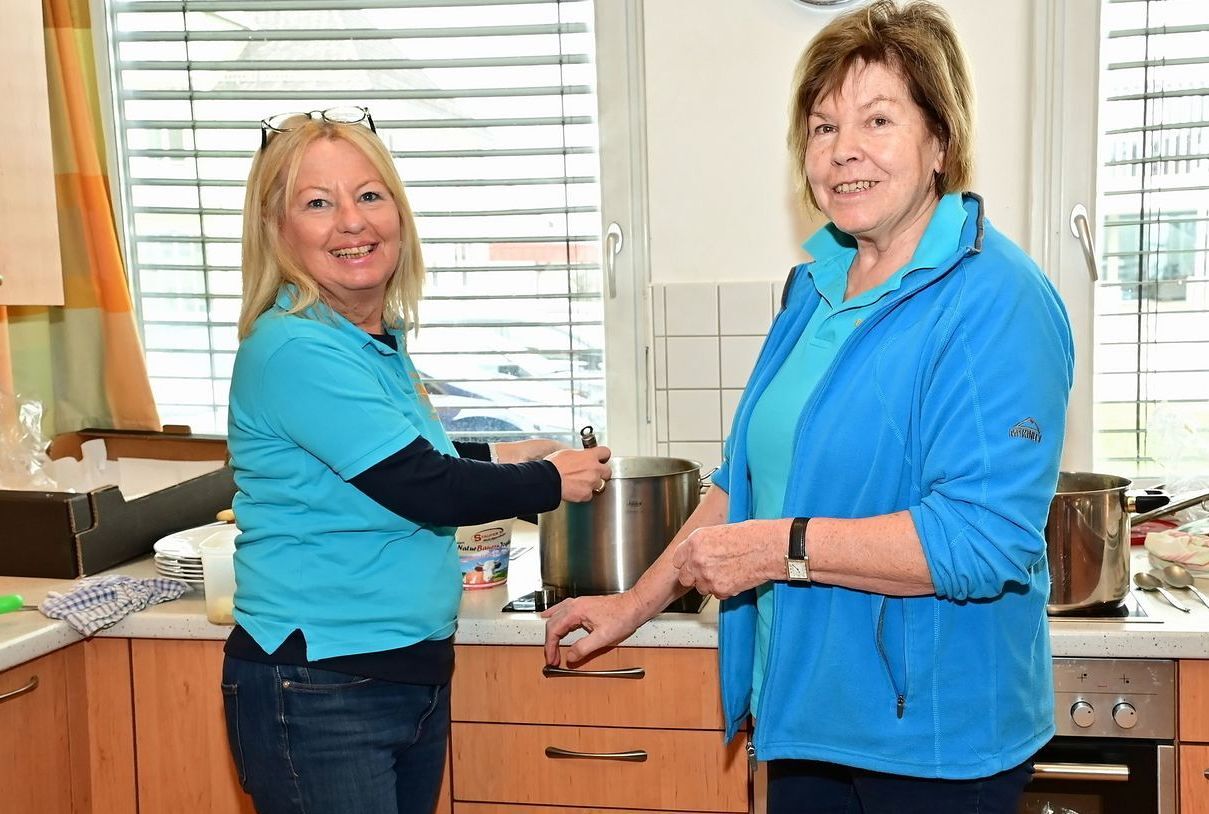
<point>1087,540</point>
<point>604,545</point>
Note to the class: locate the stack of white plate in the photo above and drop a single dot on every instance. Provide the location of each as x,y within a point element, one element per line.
<point>179,555</point>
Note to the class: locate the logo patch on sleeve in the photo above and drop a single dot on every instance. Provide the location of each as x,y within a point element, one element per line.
<point>1027,429</point>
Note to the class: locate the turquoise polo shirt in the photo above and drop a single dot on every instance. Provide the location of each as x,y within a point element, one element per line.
<point>315,401</point>
<point>775,415</point>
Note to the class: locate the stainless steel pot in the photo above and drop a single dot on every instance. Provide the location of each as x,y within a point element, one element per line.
<point>604,545</point>
<point>1087,540</point>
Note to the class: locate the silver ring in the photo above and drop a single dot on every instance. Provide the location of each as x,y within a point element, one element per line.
<point>600,488</point>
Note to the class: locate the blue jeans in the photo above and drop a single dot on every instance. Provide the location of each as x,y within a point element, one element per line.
<point>309,741</point>
<point>812,787</point>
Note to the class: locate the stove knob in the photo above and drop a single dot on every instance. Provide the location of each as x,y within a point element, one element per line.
<point>1125,715</point>
<point>1082,714</point>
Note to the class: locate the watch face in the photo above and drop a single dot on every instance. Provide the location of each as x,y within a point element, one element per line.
<point>797,569</point>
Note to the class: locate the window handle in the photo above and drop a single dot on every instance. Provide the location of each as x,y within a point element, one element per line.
<point>1080,228</point>
<point>614,240</point>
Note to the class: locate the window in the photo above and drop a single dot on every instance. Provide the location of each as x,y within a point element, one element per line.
<point>1151,385</point>
<point>491,111</point>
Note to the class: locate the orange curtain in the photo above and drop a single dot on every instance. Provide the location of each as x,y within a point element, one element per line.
<point>83,361</point>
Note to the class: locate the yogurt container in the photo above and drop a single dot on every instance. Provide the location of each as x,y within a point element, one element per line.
<point>483,552</point>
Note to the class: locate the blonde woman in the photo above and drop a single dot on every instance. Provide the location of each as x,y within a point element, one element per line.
<point>336,677</point>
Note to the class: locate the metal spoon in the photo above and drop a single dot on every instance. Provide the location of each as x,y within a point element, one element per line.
<point>1177,576</point>
<point>1149,582</point>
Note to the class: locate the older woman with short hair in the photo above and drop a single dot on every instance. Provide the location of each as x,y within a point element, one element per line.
<point>876,529</point>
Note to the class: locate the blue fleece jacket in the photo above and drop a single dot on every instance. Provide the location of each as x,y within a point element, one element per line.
<point>949,402</point>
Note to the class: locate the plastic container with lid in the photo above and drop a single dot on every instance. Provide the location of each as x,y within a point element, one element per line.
<point>218,576</point>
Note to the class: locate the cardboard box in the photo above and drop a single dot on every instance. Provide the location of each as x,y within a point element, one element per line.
<point>66,535</point>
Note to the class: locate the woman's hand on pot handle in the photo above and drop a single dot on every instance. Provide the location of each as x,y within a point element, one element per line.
<point>583,471</point>
<point>609,620</point>
<point>728,559</point>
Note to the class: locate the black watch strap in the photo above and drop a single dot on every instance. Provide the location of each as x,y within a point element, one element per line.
<point>797,561</point>
<point>797,538</point>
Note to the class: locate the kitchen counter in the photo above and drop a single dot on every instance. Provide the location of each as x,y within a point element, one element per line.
<point>25,635</point>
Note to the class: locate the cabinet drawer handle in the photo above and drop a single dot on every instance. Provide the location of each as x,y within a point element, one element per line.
<point>622,672</point>
<point>1095,772</point>
<point>635,756</point>
<point>29,687</point>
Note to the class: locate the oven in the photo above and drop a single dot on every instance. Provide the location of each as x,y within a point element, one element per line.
<point>1114,750</point>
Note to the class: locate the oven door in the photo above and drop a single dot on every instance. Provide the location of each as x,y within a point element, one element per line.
<point>1102,776</point>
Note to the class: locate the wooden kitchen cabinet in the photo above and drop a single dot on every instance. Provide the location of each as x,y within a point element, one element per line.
<point>507,714</point>
<point>35,754</point>
<point>30,262</point>
<point>1194,778</point>
<point>1194,736</point>
<point>184,763</point>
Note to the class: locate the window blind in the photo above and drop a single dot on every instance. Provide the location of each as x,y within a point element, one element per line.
<point>489,109</point>
<point>1151,380</point>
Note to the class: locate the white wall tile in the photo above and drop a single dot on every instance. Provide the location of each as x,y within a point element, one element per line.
<point>778,288</point>
<point>730,402</point>
<point>694,415</point>
<point>661,449</point>
<point>744,308</point>
<point>660,415</point>
<point>737,357</point>
<point>692,362</point>
<point>660,362</point>
<point>709,455</point>
<point>657,312</point>
<point>692,309</point>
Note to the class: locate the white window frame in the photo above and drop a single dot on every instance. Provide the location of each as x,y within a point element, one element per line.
<point>1066,65</point>
<point>629,375</point>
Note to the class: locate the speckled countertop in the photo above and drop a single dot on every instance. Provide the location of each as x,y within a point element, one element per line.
<point>25,635</point>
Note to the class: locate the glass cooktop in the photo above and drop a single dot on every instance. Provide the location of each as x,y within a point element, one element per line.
<point>1128,611</point>
<point>547,597</point>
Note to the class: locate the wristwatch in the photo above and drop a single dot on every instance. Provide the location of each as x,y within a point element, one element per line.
<point>797,561</point>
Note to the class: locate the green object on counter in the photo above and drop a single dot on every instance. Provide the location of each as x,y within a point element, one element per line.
<point>11,602</point>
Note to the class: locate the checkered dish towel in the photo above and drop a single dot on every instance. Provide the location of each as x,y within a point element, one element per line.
<point>96,603</point>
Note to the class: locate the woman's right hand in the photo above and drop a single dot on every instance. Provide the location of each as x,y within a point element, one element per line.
<point>609,619</point>
<point>583,471</point>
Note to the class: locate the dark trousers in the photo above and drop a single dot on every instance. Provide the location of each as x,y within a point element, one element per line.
<point>309,741</point>
<point>812,787</point>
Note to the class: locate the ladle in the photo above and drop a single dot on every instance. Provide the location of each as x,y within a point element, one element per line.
<point>1149,582</point>
<point>1177,576</point>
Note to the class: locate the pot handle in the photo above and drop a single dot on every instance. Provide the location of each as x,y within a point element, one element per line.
<point>1168,508</point>
<point>1147,502</point>
<point>704,482</point>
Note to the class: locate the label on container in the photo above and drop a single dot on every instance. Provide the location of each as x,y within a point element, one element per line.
<point>483,556</point>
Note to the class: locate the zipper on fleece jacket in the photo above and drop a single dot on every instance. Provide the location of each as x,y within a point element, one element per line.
<point>772,635</point>
<point>900,695</point>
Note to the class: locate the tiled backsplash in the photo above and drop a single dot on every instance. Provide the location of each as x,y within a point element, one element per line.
<point>707,336</point>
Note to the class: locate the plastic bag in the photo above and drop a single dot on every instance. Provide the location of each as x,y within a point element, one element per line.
<point>1180,447</point>
<point>23,458</point>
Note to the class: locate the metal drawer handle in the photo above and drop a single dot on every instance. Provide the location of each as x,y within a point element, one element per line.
<point>635,756</point>
<point>622,672</point>
<point>30,687</point>
<point>1096,772</point>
